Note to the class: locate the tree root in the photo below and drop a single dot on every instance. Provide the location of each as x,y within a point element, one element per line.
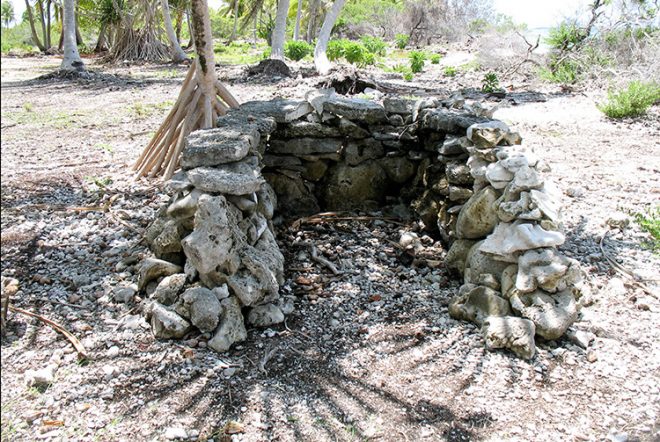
<point>195,108</point>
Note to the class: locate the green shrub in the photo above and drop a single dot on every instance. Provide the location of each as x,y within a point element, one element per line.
<point>408,76</point>
<point>490,82</point>
<point>649,221</point>
<point>400,68</point>
<point>368,59</point>
<point>354,52</point>
<point>401,41</point>
<point>565,37</point>
<point>335,50</point>
<point>417,61</point>
<point>297,49</point>
<point>450,71</point>
<point>374,45</point>
<point>632,101</point>
<point>435,58</point>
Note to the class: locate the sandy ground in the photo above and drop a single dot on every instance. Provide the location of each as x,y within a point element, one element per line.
<point>369,355</point>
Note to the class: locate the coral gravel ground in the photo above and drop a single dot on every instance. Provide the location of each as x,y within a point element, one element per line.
<point>370,354</point>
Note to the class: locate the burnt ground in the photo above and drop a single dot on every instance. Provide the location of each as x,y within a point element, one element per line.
<point>369,354</point>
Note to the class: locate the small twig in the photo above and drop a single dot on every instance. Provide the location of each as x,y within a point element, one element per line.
<point>323,261</point>
<point>621,269</point>
<point>82,353</point>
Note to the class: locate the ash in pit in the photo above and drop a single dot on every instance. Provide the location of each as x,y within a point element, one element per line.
<point>459,175</point>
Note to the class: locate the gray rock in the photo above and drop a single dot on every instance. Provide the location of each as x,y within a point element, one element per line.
<point>231,328</point>
<point>350,187</point>
<point>286,161</point>
<point>459,194</point>
<point>211,147</point>
<point>546,269</point>
<point>515,334</point>
<point>245,203</point>
<point>204,308</point>
<point>580,338</point>
<point>124,294</point>
<point>168,290</point>
<point>266,201</point>
<point>357,152</point>
<point>487,134</point>
<point>351,130</point>
<point>459,174</point>
<point>185,206</point>
<point>479,263</point>
<point>458,253</point>
<point>233,179</point>
<point>475,304</point>
<point>178,183</point>
<point>174,433</point>
<point>478,217</point>
<point>446,120</point>
<point>221,292</point>
<point>152,269</point>
<point>242,118</point>
<point>397,105</point>
<point>41,378</point>
<point>498,176</point>
<point>396,120</point>
<point>355,109</point>
<point>209,246</point>
<point>314,170</point>
<point>526,178</point>
<point>168,241</point>
<point>398,169</point>
<point>508,280</point>
<point>265,315</point>
<point>302,129</point>
<point>454,146</point>
<point>282,111</point>
<point>552,314</point>
<point>166,324</point>
<point>508,238</point>
<point>294,198</point>
<point>306,146</point>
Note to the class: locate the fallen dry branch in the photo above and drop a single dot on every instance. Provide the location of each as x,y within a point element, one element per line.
<point>326,217</point>
<point>82,353</point>
<point>621,269</point>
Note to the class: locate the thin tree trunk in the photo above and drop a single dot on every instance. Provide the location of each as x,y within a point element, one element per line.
<point>320,58</point>
<point>33,30</point>
<point>175,49</point>
<point>296,30</point>
<point>235,30</point>
<point>102,41</point>
<point>48,3</point>
<point>71,60</point>
<point>254,28</point>
<point>277,42</point>
<point>190,29</point>
<point>79,39</point>
<point>311,26</point>
<point>44,34</point>
<point>179,25</point>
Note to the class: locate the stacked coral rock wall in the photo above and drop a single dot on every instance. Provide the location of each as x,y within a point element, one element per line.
<point>462,173</point>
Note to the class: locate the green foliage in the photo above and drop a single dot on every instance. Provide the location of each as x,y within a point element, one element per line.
<point>17,39</point>
<point>7,13</point>
<point>408,76</point>
<point>565,37</point>
<point>354,52</point>
<point>417,59</point>
<point>297,49</point>
<point>374,45</point>
<point>632,101</point>
<point>450,71</point>
<point>490,82</point>
<point>649,221</point>
<point>335,50</point>
<point>435,58</point>
<point>401,40</point>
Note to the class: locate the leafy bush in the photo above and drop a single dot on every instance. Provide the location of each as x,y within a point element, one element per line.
<point>335,49</point>
<point>450,71</point>
<point>565,37</point>
<point>297,49</point>
<point>368,59</point>
<point>354,52</point>
<point>374,45</point>
<point>435,58</point>
<point>631,102</point>
<point>490,82</point>
<point>401,40</point>
<point>408,76</point>
<point>649,221</point>
<point>417,61</point>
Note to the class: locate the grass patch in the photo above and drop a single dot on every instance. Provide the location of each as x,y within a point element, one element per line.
<point>239,53</point>
<point>633,101</point>
<point>142,110</point>
<point>649,221</point>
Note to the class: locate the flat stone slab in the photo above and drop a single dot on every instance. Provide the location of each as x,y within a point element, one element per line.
<point>301,129</point>
<point>356,109</point>
<point>282,111</point>
<point>233,179</point>
<point>306,146</point>
<point>218,146</point>
<point>445,120</point>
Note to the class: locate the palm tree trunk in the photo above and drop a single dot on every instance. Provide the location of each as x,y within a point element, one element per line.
<point>320,58</point>
<point>48,4</point>
<point>277,45</point>
<point>296,30</point>
<point>44,34</point>
<point>234,31</point>
<point>71,60</point>
<point>79,39</point>
<point>311,25</point>
<point>102,41</point>
<point>179,25</point>
<point>177,53</point>
<point>33,29</point>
